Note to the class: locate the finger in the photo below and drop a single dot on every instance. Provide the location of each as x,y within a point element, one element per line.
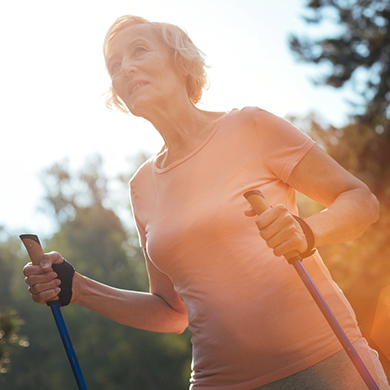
<point>286,240</point>
<point>250,212</point>
<point>48,295</point>
<point>50,258</point>
<point>42,287</point>
<point>280,244</point>
<point>277,229</point>
<point>46,277</point>
<point>278,217</point>
<point>31,269</point>
<point>267,219</point>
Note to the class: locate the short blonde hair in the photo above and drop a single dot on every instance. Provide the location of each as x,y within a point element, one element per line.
<point>186,55</point>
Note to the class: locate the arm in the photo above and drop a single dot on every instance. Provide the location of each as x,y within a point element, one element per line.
<point>351,207</point>
<point>160,310</point>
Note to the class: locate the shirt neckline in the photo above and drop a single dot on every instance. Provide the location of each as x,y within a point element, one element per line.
<point>195,151</point>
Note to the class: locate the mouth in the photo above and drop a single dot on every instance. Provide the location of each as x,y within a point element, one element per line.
<point>137,85</point>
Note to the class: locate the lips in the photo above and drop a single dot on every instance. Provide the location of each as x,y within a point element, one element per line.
<point>135,85</point>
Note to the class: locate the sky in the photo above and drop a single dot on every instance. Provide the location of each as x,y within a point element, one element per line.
<point>52,79</point>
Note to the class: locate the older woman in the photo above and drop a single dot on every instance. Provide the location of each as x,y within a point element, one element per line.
<point>253,323</point>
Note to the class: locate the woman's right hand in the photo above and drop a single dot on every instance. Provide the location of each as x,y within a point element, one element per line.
<point>41,279</point>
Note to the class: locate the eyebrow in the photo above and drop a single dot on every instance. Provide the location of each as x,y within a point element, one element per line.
<point>137,40</point>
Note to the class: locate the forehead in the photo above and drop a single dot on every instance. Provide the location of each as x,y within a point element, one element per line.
<point>132,34</point>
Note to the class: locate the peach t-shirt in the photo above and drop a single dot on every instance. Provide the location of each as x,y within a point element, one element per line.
<point>251,317</point>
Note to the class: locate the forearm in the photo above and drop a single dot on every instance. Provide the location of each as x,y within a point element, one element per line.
<point>349,215</point>
<point>136,309</point>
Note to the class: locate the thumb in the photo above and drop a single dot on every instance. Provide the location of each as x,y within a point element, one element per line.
<point>50,258</point>
<point>250,212</point>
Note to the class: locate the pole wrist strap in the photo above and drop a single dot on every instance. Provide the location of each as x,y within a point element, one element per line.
<point>309,237</point>
<point>65,272</point>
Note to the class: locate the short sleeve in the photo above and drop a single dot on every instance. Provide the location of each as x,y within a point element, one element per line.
<point>282,145</point>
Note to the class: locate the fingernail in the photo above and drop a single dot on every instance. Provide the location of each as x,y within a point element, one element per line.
<point>45,265</point>
<point>57,290</point>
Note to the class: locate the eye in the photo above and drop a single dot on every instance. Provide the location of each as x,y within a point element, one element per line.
<point>138,50</point>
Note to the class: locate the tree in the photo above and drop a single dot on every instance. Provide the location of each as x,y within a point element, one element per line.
<point>361,267</point>
<point>9,339</point>
<point>359,52</point>
<point>10,321</point>
<point>92,237</point>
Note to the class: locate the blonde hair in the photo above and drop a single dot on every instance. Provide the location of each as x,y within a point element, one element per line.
<point>187,56</point>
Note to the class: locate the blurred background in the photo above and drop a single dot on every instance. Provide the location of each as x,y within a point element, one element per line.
<point>65,161</point>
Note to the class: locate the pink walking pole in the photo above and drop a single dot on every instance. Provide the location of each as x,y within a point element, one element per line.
<point>259,204</point>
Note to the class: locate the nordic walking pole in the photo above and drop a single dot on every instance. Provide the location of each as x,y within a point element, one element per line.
<point>34,249</point>
<point>259,204</point>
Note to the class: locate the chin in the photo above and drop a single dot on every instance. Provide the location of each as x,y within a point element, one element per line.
<point>142,107</point>
<point>138,108</point>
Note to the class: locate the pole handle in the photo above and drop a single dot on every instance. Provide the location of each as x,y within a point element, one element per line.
<point>33,246</point>
<point>35,252</point>
<point>259,204</point>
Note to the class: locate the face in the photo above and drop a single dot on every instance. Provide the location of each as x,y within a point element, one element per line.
<point>142,70</point>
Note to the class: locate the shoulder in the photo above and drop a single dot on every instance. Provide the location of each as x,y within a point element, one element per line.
<point>271,125</point>
<point>144,171</point>
<point>259,121</point>
<point>264,117</point>
<point>256,115</point>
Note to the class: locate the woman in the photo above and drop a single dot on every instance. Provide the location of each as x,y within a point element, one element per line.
<point>253,323</point>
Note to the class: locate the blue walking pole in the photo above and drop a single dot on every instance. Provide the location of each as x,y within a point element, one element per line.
<point>34,249</point>
<point>259,204</point>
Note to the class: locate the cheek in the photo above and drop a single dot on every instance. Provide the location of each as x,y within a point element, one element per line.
<point>118,87</point>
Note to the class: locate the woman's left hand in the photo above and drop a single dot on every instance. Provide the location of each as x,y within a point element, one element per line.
<point>280,230</point>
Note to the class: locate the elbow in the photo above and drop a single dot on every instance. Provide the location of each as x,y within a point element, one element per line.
<point>369,208</point>
<point>180,326</point>
<point>180,331</point>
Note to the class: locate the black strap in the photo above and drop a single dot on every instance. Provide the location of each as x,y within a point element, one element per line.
<point>309,238</point>
<point>65,272</point>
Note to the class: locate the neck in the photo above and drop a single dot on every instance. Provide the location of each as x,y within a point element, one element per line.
<point>183,128</point>
<point>180,124</point>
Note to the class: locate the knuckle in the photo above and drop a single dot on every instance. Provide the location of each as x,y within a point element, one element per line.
<point>49,295</point>
<point>280,209</point>
<point>270,243</point>
<point>35,289</point>
<point>277,252</point>
<point>54,256</point>
<point>37,299</point>
<point>47,277</point>
<point>263,235</point>
<point>27,269</point>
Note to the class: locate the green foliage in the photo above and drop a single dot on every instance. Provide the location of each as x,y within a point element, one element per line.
<point>10,325</point>
<point>10,322</point>
<point>94,240</point>
<point>361,268</point>
<point>358,52</point>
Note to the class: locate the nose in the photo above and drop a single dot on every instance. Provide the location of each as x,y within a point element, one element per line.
<point>127,67</point>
